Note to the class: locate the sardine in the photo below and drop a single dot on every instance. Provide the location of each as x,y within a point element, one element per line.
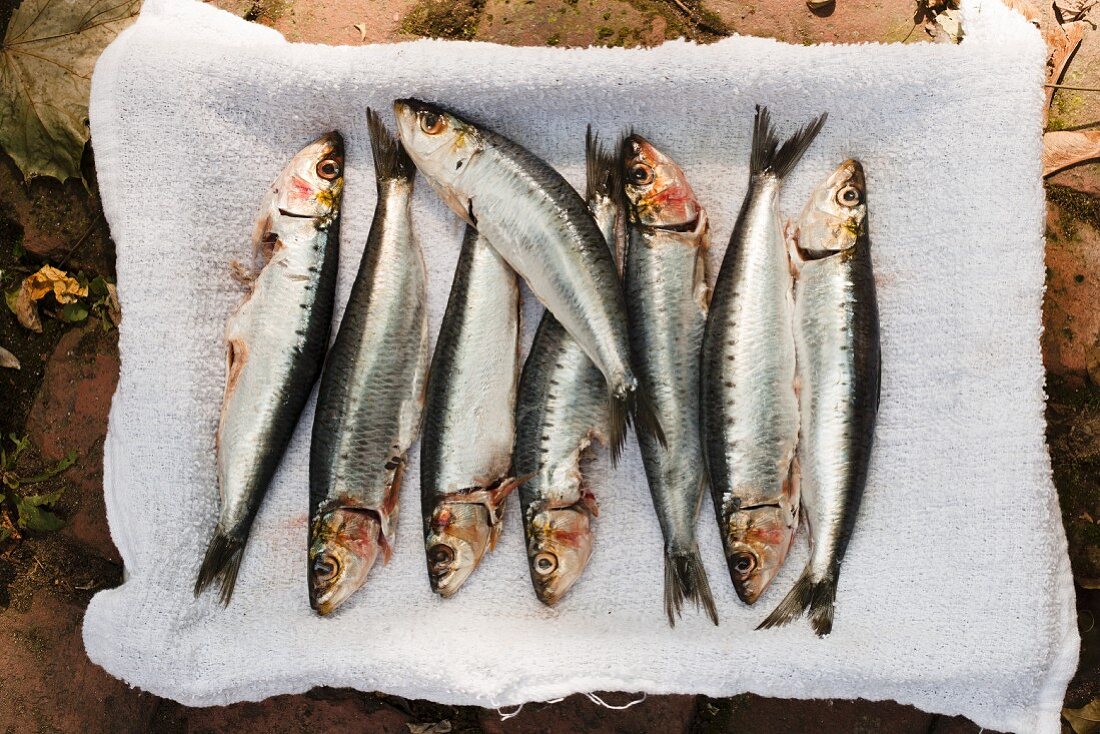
<point>667,299</point>
<point>275,343</point>
<point>543,229</point>
<point>562,409</point>
<point>837,342</point>
<point>749,405</point>
<point>469,421</point>
<point>372,392</point>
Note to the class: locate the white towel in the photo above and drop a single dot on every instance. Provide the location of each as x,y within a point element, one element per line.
<point>956,594</point>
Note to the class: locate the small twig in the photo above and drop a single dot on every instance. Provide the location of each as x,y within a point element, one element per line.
<point>80,241</point>
<point>1074,89</point>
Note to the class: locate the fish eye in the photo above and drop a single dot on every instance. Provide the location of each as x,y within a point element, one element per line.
<point>325,567</point>
<point>328,169</point>
<point>432,123</point>
<point>640,174</point>
<point>848,196</point>
<point>545,563</point>
<point>743,563</point>
<point>440,555</point>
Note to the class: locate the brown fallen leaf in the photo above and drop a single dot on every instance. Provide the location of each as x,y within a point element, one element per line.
<point>440,727</point>
<point>1067,11</point>
<point>8,360</point>
<point>1026,9</point>
<point>46,61</point>
<point>25,309</point>
<point>114,311</point>
<point>1065,148</point>
<point>1085,720</point>
<point>1062,42</point>
<point>49,279</point>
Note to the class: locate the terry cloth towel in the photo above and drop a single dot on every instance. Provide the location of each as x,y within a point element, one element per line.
<point>956,594</point>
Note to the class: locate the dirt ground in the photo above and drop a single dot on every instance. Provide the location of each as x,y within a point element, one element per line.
<point>61,396</point>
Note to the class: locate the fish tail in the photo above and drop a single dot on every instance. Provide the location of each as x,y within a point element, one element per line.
<point>816,596</point>
<point>685,578</point>
<point>391,162</point>
<point>768,155</point>
<point>221,564</point>
<point>626,405</point>
<point>603,170</point>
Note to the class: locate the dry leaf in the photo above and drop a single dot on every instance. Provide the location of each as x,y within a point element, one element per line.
<point>1065,148</point>
<point>1085,720</point>
<point>1026,9</point>
<point>49,279</point>
<point>950,22</point>
<point>362,28</point>
<point>114,311</point>
<point>1062,42</point>
<point>441,727</point>
<point>1068,11</point>
<point>46,62</point>
<point>9,360</point>
<point>26,310</point>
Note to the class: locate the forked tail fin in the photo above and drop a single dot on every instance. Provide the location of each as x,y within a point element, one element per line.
<point>816,597</point>
<point>768,155</point>
<point>628,405</point>
<point>391,162</point>
<point>685,578</point>
<point>221,564</point>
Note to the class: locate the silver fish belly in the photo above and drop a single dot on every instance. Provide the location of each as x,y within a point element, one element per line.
<point>371,395</point>
<point>667,300</point>
<point>837,341</point>
<point>469,422</point>
<point>275,344</point>
<point>749,405</point>
<point>542,228</point>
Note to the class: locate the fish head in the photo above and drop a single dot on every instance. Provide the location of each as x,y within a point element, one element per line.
<point>344,546</point>
<point>458,535</point>
<point>311,184</point>
<point>441,145</point>
<point>836,214</point>
<point>656,187</point>
<point>756,544</point>
<point>558,547</point>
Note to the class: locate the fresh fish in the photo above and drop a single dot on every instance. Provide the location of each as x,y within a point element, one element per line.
<point>837,342</point>
<point>749,405</point>
<point>372,392</point>
<point>562,409</point>
<point>667,299</point>
<point>543,229</point>
<point>469,421</point>
<point>275,343</point>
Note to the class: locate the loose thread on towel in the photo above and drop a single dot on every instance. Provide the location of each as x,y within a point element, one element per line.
<point>600,702</point>
<point>519,708</point>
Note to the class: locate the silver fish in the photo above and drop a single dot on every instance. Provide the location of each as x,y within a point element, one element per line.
<point>275,343</point>
<point>749,405</point>
<point>667,299</point>
<point>562,410</point>
<point>837,342</point>
<point>372,392</point>
<point>469,421</point>
<point>543,229</point>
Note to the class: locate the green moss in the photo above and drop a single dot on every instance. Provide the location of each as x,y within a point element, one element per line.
<point>1074,207</point>
<point>604,32</point>
<point>553,40</point>
<point>443,19</point>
